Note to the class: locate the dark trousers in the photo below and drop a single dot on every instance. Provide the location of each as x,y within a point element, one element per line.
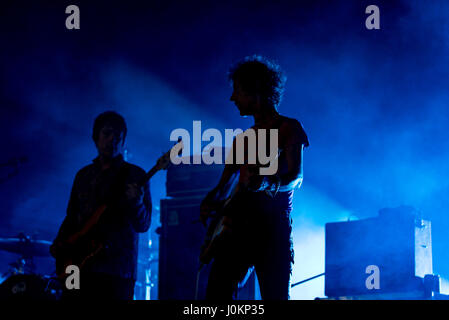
<point>263,241</point>
<point>100,286</point>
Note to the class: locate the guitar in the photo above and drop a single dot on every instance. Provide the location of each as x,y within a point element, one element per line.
<point>220,204</point>
<point>79,247</point>
<point>216,226</point>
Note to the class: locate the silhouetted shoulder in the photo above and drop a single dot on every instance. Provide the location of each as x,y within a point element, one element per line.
<point>84,171</point>
<point>135,169</point>
<point>292,132</point>
<point>86,168</point>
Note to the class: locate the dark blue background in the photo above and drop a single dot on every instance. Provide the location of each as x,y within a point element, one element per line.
<point>373,102</point>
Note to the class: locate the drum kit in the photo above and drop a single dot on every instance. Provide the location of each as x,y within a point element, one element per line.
<point>22,281</point>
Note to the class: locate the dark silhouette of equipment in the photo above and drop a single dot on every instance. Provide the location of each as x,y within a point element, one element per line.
<point>181,234</point>
<point>23,283</point>
<point>26,246</point>
<point>386,257</point>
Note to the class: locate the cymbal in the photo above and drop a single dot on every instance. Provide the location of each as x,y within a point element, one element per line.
<point>26,246</point>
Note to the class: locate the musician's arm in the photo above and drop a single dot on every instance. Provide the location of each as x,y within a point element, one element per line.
<point>292,177</point>
<point>206,204</point>
<point>292,140</point>
<point>231,167</point>
<point>227,173</point>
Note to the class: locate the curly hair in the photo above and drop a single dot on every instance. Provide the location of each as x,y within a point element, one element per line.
<point>258,75</point>
<point>111,118</point>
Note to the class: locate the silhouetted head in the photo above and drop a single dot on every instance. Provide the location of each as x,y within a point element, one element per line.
<point>257,83</point>
<point>109,134</point>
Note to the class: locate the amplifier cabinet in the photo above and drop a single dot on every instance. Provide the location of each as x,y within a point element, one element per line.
<point>186,180</point>
<point>397,249</point>
<point>181,237</point>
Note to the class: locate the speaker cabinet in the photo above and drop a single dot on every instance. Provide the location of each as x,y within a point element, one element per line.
<point>181,237</point>
<point>188,180</point>
<point>389,253</point>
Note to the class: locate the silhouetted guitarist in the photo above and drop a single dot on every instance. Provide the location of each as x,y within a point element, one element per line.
<point>114,186</point>
<point>257,222</point>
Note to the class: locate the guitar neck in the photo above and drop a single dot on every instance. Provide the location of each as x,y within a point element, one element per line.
<point>149,175</point>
